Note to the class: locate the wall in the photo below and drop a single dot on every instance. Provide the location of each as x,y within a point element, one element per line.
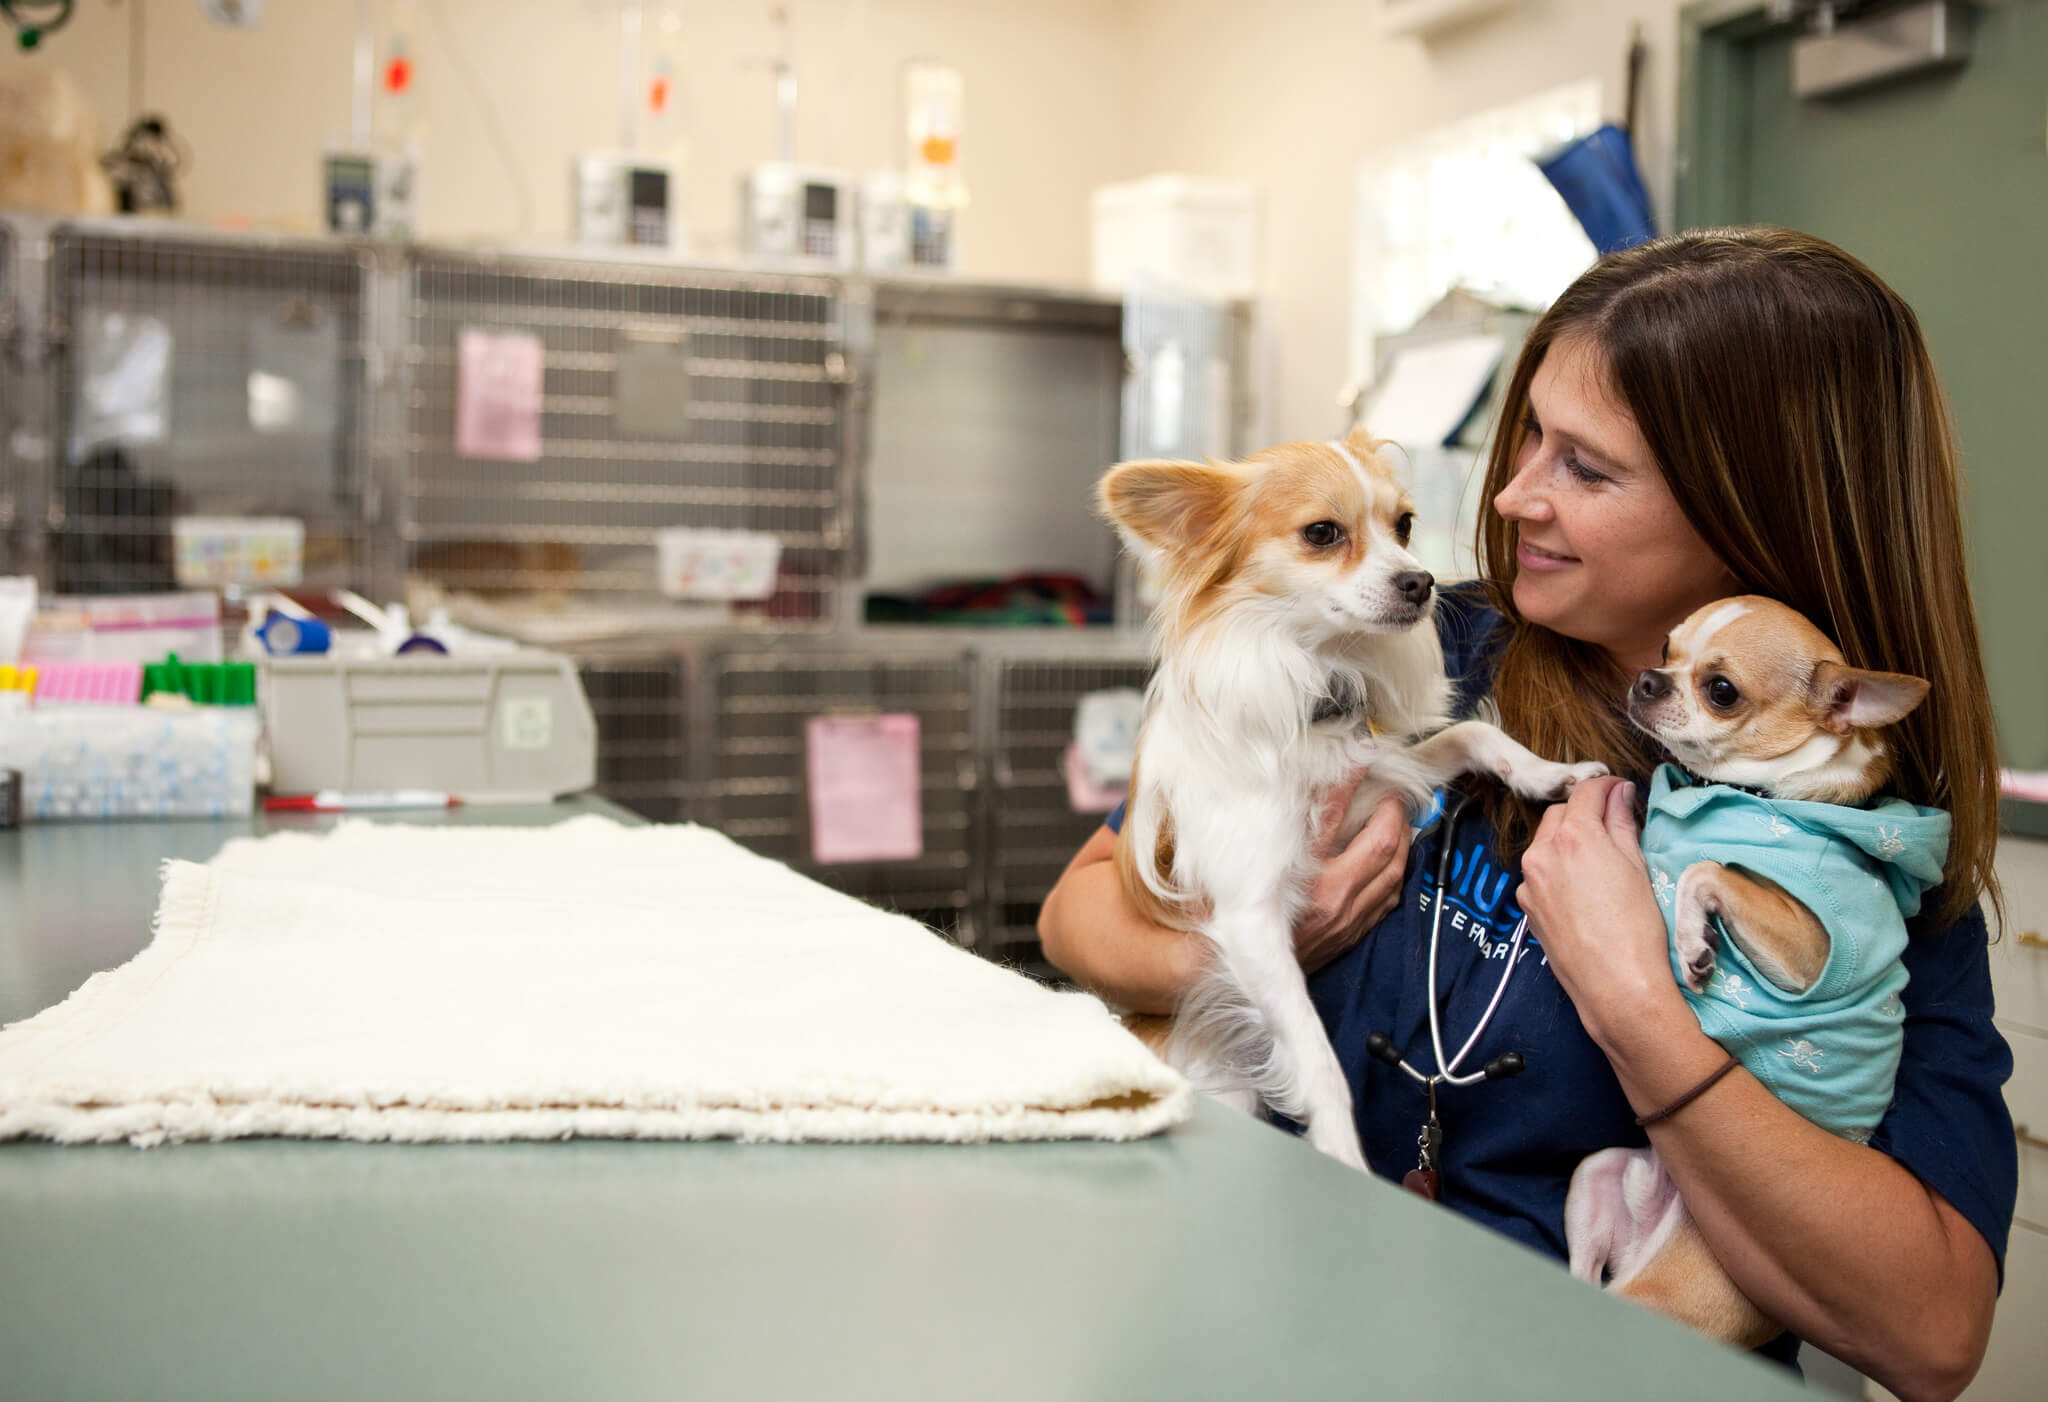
<point>1048,106</point>
<point>1293,95</point>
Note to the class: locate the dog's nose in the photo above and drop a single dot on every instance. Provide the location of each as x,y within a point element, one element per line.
<point>1415,585</point>
<point>1652,685</point>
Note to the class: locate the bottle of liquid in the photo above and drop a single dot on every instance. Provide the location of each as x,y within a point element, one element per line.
<point>661,134</point>
<point>933,96</point>
<point>397,127</point>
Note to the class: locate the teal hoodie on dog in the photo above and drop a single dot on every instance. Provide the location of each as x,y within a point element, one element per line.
<point>1831,1053</point>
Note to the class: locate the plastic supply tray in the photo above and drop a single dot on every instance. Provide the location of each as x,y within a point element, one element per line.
<point>131,761</point>
<point>498,727</point>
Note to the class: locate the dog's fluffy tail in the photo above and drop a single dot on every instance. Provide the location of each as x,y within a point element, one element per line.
<point>1145,822</point>
<point>1221,1042</point>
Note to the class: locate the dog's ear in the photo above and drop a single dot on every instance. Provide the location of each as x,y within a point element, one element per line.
<point>1167,505</point>
<point>1849,698</point>
<point>1363,445</point>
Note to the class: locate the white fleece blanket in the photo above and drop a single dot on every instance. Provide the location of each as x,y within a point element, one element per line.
<point>387,982</point>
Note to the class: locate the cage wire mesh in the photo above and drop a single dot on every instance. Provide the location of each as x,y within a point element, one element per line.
<point>668,398</point>
<point>643,752</point>
<point>760,794</point>
<point>204,376</point>
<point>1034,829</point>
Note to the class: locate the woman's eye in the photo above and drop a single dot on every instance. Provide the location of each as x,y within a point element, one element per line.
<point>1322,534</point>
<point>1403,526</point>
<point>1721,693</point>
<point>1583,473</point>
<point>1531,427</point>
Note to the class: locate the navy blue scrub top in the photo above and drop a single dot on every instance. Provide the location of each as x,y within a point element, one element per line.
<point>1509,1147</point>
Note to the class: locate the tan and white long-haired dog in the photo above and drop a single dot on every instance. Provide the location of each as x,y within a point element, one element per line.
<point>1295,651</point>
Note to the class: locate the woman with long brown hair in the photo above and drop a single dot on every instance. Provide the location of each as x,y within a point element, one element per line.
<point>1720,412</point>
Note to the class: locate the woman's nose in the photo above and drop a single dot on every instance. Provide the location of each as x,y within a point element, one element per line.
<point>1520,499</point>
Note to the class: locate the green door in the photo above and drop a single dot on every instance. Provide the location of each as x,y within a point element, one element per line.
<point>1940,183</point>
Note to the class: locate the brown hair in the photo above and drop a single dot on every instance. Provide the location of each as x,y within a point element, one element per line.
<point>1789,399</point>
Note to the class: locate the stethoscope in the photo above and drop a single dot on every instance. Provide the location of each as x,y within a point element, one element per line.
<point>1429,1142</point>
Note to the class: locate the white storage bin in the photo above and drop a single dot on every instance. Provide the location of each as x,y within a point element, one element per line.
<point>1195,236</point>
<point>482,727</point>
<point>131,761</point>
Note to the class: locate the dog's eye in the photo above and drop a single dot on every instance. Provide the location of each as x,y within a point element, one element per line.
<point>1404,526</point>
<point>1721,693</point>
<point>1322,534</point>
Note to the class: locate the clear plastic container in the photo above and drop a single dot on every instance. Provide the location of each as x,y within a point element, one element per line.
<point>131,761</point>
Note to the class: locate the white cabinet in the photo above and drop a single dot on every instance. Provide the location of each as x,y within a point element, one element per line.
<point>2016,1365</point>
<point>2019,958</point>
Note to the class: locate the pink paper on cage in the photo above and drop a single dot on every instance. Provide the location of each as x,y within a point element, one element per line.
<point>1084,795</point>
<point>497,396</point>
<point>867,802</point>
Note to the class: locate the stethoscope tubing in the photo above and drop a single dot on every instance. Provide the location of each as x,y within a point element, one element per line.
<point>1447,1072</point>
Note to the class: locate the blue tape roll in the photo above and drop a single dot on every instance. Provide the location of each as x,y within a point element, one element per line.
<point>283,635</point>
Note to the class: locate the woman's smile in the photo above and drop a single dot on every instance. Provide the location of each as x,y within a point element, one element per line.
<point>1531,556</point>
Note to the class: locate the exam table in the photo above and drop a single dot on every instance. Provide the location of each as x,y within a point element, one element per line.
<point>1222,1260</point>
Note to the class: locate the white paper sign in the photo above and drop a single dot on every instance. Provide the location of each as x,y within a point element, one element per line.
<point>210,551</point>
<point>1106,733</point>
<point>712,564</point>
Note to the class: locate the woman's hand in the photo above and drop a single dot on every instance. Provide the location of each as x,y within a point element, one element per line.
<point>1587,890</point>
<point>1357,887</point>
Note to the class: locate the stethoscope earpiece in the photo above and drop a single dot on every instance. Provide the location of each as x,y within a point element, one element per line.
<point>1505,1065</point>
<point>1382,1048</point>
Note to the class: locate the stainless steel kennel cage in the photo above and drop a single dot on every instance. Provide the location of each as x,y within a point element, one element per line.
<point>202,375</point>
<point>671,397</point>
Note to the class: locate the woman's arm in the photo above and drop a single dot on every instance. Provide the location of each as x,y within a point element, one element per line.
<point>1091,932</point>
<point>1838,1242</point>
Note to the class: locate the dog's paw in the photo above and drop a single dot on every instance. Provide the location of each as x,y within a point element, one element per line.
<point>1549,781</point>
<point>1694,935</point>
<point>1696,957</point>
<point>1338,1140</point>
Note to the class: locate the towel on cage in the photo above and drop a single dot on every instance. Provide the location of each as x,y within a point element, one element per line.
<point>383,982</point>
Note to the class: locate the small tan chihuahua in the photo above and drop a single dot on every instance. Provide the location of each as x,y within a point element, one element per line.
<point>1786,888</point>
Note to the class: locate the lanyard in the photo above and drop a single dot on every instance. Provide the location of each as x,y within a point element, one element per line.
<point>1426,1178</point>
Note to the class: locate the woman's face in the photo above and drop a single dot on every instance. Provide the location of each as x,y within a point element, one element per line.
<point>1602,552</point>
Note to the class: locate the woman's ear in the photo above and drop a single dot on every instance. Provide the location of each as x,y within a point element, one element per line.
<point>1167,506</point>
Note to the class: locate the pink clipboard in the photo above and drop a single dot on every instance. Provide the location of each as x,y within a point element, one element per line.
<point>866,788</point>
